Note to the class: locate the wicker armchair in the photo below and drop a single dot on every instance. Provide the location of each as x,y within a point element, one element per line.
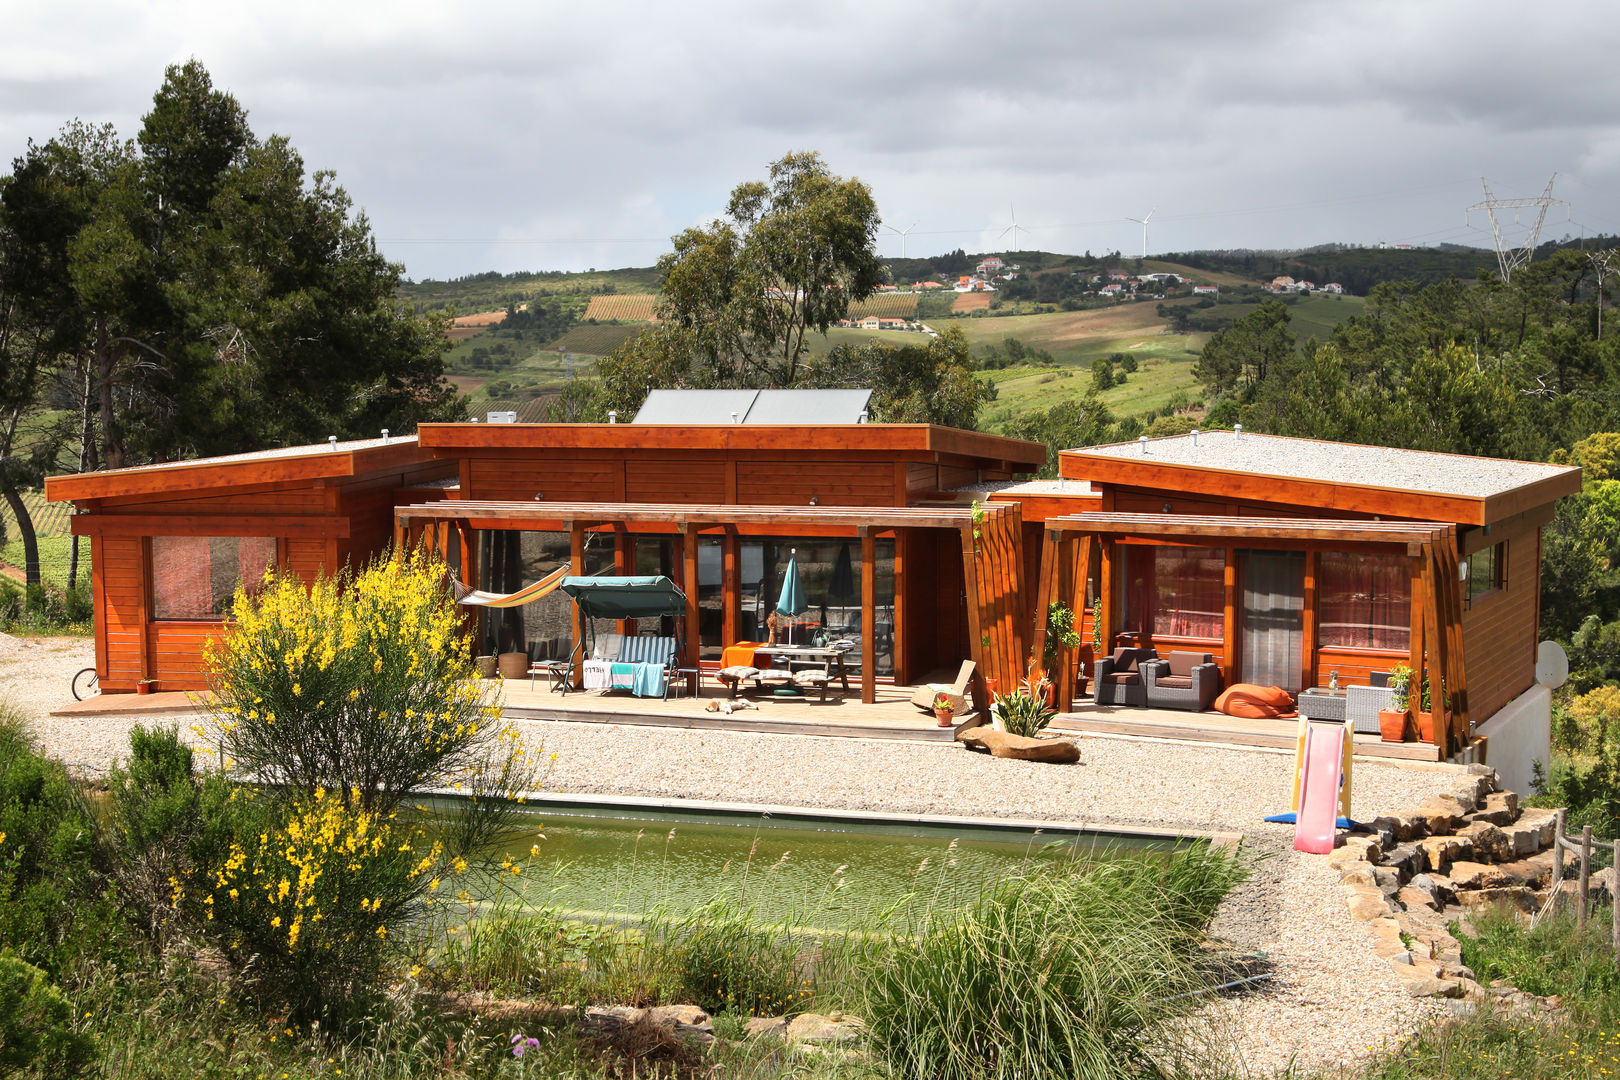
<point>1118,677</point>
<point>1183,680</point>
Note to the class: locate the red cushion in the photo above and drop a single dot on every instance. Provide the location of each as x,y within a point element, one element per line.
<point>1260,702</point>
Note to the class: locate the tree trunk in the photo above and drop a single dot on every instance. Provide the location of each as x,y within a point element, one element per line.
<point>112,450</point>
<point>25,526</point>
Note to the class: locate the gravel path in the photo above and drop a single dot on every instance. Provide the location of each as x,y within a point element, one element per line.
<point>1331,999</point>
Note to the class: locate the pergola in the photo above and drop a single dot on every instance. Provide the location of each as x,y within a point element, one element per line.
<point>992,566</point>
<point>1073,541</point>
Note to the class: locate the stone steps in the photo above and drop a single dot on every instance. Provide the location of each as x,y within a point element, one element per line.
<point>1417,872</point>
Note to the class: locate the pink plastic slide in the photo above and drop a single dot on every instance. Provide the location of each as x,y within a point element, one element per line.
<point>1319,788</point>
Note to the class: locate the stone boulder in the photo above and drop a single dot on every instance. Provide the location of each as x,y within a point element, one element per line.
<point>1001,744</point>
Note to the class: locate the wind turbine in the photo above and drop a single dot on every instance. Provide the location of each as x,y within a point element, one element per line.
<point>1013,228</point>
<point>901,233</point>
<point>1143,222</point>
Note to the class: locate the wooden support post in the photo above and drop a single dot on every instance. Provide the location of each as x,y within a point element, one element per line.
<point>897,650</point>
<point>689,575</point>
<point>624,563</point>
<point>1085,553</point>
<point>576,568</point>
<point>1309,638</point>
<point>1045,593</point>
<point>1107,552</point>
<point>1063,591</point>
<point>1229,618</point>
<point>1419,601</point>
<point>1558,852</point>
<point>730,593</point>
<point>970,593</point>
<point>1586,877</point>
<point>868,616</point>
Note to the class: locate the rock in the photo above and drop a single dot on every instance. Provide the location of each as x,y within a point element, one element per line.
<point>1534,871</point>
<point>1408,861</point>
<point>1488,841</point>
<point>1001,744</point>
<point>1359,874</point>
<point>690,1015</point>
<point>1439,851</point>
<point>1474,875</point>
<point>1411,897</point>
<point>1428,986</point>
<point>1520,897</point>
<point>823,1030</point>
<point>1388,879</point>
<point>1441,814</point>
<point>772,1026</point>
<point>1356,850</point>
<point>1543,820</point>
<point>1366,903</point>
<point>1397,828</point>
<point>1499,808</point>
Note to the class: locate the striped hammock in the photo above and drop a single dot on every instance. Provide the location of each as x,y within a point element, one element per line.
<point>474,598</point>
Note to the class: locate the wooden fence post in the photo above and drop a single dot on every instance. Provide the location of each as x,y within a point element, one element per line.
<point>1586,876</point>
<point>1558,856</point>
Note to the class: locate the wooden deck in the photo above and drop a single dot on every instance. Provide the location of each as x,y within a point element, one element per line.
<point>1213,727</point>
<point>892,716</point>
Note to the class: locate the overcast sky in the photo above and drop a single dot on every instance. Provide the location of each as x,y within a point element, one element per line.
<point>538,136</point>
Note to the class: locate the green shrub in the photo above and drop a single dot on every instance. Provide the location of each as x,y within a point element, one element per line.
<point>79,605</point>
<point>1055,974</point>
<point>726,962</point>
<point>1023,713</point>
<point>36,1025</point>
<point>1554,958</point>
<point>11,601</point>
<point>52,877</point>
<point>541,953</point>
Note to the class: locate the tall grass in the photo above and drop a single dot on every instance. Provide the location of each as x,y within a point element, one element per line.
<point>1049,974</point>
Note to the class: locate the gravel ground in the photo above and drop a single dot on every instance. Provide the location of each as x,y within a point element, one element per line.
<point>1331,999</point>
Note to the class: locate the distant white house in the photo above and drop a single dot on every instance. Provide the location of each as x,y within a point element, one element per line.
<point>1174,279</point>
<point>1112,290</point>
<point>989,266</point>
<point>1206,290</point>
<point>1333,287</point>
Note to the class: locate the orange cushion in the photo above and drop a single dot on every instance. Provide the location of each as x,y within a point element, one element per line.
<point>1257,702</point>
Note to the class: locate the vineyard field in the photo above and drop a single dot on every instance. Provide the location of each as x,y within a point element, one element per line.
<point>635,307</point>
<point>886,306</point>
<point>594,340</point>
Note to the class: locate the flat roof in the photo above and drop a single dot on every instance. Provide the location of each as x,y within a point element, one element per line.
<point>316,461</point>
<point>1346,476</point>
<point>754,407</point>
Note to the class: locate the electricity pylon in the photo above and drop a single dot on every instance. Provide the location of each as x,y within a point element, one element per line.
<point>1510,259</point>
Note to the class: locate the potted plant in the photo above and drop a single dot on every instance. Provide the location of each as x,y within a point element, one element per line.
<point>1394,718</point>
<point>1425,716</point>
<point>1020,713</point>
<point>944,709</point>
<point>1060,634</point>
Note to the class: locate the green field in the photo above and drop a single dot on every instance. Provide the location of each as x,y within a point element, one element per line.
<point>598,340</point>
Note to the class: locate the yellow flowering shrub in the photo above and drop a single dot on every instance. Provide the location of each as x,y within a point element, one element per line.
<point>361,683</point>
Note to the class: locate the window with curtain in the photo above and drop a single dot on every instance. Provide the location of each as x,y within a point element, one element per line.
<point>1363,601</point>
<point>195,577</point>
<point>1175,591</point>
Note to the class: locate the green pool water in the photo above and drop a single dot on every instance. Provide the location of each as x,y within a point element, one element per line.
<point>604,861</point>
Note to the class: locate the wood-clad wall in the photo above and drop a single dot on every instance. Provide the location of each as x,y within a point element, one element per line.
<point>1499,633</point>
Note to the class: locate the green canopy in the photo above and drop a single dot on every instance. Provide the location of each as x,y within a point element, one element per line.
<point>625,597</point>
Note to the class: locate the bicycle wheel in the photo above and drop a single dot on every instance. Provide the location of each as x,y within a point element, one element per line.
<point>85,684</point>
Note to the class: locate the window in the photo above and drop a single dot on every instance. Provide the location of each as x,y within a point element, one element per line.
<point>1175,591</point>
<point>1363,601</point>
<point>1485,571</point>
<point>830,582</point>
<point>195,577</point>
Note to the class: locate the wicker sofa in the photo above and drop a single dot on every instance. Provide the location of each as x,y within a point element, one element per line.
<point>1182,680</point>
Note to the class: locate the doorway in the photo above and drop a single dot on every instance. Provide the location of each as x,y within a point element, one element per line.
<point>1272,618</point>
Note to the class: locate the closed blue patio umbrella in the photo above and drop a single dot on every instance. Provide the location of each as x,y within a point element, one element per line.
<point>791,602</point>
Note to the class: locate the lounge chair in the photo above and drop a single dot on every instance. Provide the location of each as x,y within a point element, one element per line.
<point>956,692</point>
<point>1183,680</point>
<point>1117,678</point>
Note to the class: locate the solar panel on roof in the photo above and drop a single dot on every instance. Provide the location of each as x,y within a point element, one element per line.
<point>754,407</point>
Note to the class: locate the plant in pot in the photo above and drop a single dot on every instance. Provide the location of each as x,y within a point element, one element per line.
<point>1425,715</point>
<point>1394,718</point>
<point>944,709</point>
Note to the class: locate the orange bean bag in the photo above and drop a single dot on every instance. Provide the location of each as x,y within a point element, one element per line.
<point>1257,702</point>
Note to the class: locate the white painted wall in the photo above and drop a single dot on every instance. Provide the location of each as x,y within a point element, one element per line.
<point>1520,733</point>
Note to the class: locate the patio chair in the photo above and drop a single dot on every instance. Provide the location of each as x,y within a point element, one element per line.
<point>1182,680</point>
<point>956,691</point>
<point>1118,679</point>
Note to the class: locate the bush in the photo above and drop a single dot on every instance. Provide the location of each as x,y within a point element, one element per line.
<point>1023,713</point>
<point>726,962</point>
<point>11,601</point>
<point>36,1025</point>
<point>365,685</point>
<point>1058,974</point>
<point>52,878</point>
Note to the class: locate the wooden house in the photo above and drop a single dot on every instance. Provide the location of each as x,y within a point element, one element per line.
<point>168,543</point>
<point>1293,559</point>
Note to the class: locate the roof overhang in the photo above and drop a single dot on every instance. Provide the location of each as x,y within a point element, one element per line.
<point>1409,536</point>
<point>305,463</point>
<point>1211,481</point>
<point>914,441</point>
<point>496,514</point>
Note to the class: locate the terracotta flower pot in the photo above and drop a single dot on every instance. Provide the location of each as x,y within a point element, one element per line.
<point>1425,726</point>
<point>1392,724</point>
<point>144,686</point>
<point>944,717</point>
